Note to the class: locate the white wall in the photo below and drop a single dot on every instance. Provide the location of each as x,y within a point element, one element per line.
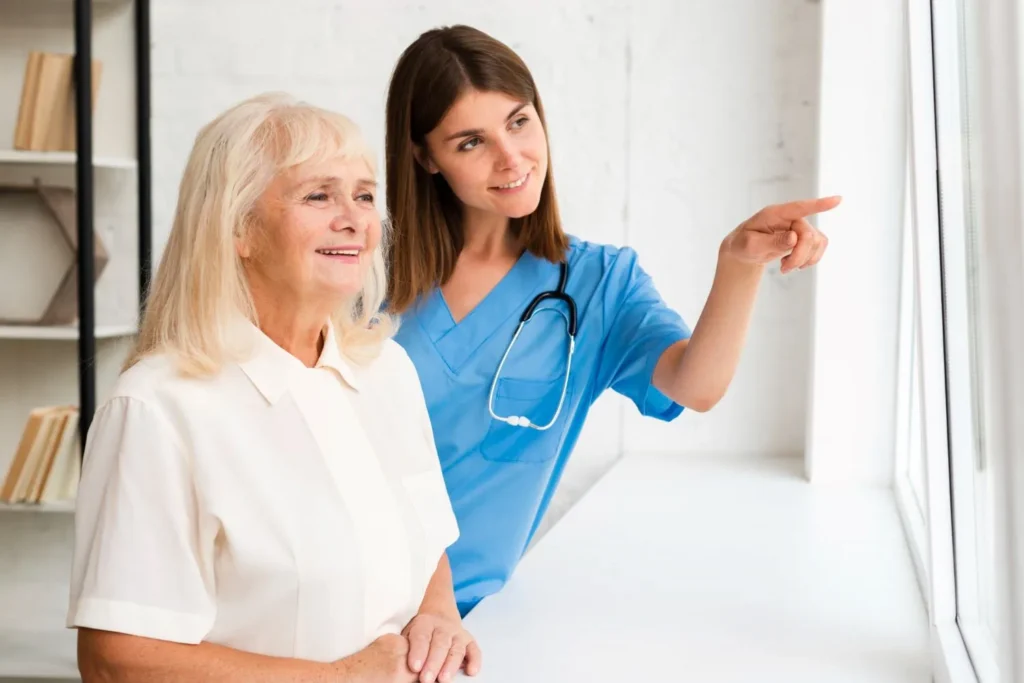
<point>670,122</point>
<point>723,109</point>
<point>851,431</point>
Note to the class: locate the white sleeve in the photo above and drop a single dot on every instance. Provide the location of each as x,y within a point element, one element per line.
<point>139,565</point>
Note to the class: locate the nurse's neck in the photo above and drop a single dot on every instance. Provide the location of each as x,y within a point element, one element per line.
<point>487,237</point>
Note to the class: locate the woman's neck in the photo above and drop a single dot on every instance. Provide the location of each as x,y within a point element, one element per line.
<point>487,237</point>
<point>297,330</point>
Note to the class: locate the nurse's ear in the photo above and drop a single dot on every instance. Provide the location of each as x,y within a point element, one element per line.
<point>424,160</point>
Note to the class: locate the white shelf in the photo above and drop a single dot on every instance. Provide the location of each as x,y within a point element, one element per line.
<point>15,156</point>
<point>63,507</point>
<point>48,655</point>
<point>62,332</point>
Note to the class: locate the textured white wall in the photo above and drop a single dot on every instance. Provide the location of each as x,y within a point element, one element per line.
<point>669,123</point>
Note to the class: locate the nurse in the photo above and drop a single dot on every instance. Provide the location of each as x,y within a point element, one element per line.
<point>479,247</point>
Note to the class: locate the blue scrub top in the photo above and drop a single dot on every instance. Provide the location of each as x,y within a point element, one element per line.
<point>501,478</point>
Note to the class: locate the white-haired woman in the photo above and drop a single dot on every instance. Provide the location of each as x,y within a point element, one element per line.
<point>261,499</point>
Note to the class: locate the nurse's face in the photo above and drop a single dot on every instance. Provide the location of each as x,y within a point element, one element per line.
<point>317,226</point>
<point>492,150</point>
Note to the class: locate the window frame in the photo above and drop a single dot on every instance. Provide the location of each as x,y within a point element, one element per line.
<point>935,161</point>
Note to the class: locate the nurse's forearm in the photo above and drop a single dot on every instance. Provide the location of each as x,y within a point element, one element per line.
<point>696,373</point>
<point>105,657</point>
<point>440,595</point>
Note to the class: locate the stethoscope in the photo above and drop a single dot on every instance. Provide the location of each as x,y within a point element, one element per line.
<point>570,323</point>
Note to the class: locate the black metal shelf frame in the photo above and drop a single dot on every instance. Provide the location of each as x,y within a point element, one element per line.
<point>84,182</point>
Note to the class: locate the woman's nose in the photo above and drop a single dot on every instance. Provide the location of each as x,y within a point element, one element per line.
<point>508,153</point>
<point>347,220</point>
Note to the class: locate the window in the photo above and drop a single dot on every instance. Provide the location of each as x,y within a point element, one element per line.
<point>948,472</point>
<point>970,470</point>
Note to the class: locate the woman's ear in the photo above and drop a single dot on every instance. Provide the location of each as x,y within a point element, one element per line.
<point>243,239</point>
<point>242,247</point>
<point>423,158</point>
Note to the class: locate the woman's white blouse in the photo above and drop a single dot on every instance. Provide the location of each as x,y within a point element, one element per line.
<point>274,508</point>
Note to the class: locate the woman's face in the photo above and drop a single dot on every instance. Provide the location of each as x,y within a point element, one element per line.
<point>316,231</point>
<point>492,150</point>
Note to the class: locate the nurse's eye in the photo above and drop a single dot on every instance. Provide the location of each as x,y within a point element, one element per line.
<point>469,144</point>
<point>520,122</point>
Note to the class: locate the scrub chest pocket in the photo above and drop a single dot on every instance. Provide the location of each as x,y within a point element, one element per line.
<point>537,400</point>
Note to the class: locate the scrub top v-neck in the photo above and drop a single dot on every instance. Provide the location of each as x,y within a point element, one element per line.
<point>501,477</point>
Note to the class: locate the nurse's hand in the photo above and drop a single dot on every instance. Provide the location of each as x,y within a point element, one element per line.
<point>781,232</point>
<point>439,647</point>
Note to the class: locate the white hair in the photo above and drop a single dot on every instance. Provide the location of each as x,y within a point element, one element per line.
<point>200,286</point>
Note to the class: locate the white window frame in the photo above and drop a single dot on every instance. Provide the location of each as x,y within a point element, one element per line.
<point>1000,123</point>
<point>934,67</point>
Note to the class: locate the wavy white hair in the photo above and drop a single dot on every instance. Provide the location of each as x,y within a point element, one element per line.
<point>200,286</point>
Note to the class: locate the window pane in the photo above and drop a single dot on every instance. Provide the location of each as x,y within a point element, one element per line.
<point>971,480</point>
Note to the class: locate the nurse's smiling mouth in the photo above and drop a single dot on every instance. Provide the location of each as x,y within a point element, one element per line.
<point>516,185</point>
<point>344,254</point>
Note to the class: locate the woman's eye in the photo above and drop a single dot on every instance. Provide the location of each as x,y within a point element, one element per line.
<point>317,197</point>
<point>469,144</point>
<point>367,197</point>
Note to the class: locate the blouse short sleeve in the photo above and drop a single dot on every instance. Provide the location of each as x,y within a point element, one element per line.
<point>140,566</point>
<point>642,327</point>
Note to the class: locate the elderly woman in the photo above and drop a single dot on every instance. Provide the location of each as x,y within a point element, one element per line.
<point>261,499</point>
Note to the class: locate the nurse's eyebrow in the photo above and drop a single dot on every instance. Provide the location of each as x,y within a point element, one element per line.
<point>479,131</point>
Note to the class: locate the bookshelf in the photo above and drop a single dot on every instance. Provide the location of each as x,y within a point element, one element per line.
<point>19,157</point>
<point>72,362</point>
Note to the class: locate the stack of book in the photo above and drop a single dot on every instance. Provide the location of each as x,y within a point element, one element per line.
<point>47,464</point>
<point>46,114</point>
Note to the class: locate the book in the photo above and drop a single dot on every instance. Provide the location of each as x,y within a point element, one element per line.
<point>46,112</point>
<point>46,464</point>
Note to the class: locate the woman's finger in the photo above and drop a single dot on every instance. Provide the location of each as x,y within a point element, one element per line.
<point>474,659</point>
<point>440,645</point>
<point>419,645</point>
<point>819,252</point>
<point>764,247</point>
<point>453,663</point>
<point>806,243</point>
<point>793,211</point>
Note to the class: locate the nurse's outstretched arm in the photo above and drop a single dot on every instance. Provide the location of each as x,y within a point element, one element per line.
<point>695,373</point>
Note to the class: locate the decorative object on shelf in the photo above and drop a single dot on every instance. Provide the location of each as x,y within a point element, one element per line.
<point>46,113</point>
<point>60,204</point>
<point>46,466</point>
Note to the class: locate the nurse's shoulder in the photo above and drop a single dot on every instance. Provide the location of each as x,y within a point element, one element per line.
<point>602,265</point>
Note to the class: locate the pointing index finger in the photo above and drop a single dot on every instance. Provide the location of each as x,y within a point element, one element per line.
<point>802,208</point>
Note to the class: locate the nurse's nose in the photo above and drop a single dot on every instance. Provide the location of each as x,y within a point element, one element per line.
<point>508,154</point>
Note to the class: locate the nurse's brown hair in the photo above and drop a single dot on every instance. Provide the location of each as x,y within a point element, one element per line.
<point>425,215</point>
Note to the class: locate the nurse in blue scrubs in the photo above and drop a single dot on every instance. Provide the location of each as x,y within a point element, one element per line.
<point>477,244</point>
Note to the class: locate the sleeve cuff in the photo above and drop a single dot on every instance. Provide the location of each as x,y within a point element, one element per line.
<point>139,620</point>
<point>656,404</point>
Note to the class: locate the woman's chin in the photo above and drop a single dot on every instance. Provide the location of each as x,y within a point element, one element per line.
<point>338,293</point>
<point>521,209</point>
